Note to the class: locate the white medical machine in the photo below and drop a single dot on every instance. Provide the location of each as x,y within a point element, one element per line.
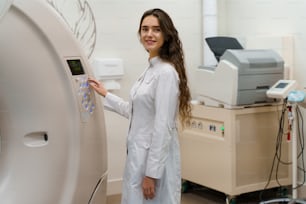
<point>240,79</point>
<point>229,144</point>
<point>52,132</point>
<point>281,89</point>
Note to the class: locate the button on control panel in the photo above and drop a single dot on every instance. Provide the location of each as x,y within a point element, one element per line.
<point>85,97</point>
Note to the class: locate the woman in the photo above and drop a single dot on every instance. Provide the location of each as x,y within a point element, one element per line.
<point>152,171</point>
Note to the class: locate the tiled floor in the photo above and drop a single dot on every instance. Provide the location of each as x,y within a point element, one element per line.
<point>208,196</point>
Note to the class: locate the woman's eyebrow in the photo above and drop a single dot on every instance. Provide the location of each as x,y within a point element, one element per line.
<point>146,26</point>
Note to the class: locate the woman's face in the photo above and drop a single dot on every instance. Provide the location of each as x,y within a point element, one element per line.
<point>151,35</point>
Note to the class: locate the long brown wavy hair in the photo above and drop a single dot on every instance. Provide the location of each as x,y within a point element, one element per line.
<point>172,51</point>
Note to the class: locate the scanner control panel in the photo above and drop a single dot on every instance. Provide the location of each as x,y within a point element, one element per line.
<point>85,94</point>
<point>86,98</point>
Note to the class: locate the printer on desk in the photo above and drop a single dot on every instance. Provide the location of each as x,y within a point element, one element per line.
<point>241,78</point>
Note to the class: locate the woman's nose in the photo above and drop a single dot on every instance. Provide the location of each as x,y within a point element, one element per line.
<point>150,32</point>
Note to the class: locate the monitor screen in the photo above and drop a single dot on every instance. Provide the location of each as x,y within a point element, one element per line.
<point>281,85</point>
<point>75,66</point>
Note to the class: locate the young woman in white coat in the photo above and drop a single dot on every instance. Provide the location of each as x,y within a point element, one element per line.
<point>152,172</point>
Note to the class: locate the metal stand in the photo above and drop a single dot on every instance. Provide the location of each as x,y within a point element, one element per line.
<point>291,118</point>
<point>294,153</point>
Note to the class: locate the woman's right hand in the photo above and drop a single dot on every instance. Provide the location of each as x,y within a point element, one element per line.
<point>97,86</point>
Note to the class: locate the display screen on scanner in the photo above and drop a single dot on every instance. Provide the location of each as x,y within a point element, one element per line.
<point>281,85</point>
<point>75,66</point>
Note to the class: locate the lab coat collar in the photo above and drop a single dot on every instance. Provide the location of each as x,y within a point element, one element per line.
<point>153,61</point>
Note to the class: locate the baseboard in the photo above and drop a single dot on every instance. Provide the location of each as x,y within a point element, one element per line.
<point>114,186</point>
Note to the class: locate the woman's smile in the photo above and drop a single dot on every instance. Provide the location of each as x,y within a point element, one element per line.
<point>150,42</point>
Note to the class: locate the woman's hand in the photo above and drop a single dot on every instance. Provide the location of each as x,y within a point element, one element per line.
<point>97,86</point>
<point>148,187</point>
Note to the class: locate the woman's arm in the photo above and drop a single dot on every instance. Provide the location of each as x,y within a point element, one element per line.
<point>111,102</point>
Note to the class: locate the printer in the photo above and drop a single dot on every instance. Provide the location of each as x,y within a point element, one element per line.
<point>241,78</point>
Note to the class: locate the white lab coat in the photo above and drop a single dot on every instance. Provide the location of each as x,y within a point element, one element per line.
<point>152,142</point>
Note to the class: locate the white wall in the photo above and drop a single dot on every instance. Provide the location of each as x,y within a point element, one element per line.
<point>117,25</point>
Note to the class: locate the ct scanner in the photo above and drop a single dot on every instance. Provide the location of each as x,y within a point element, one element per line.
<point>52,131</point>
